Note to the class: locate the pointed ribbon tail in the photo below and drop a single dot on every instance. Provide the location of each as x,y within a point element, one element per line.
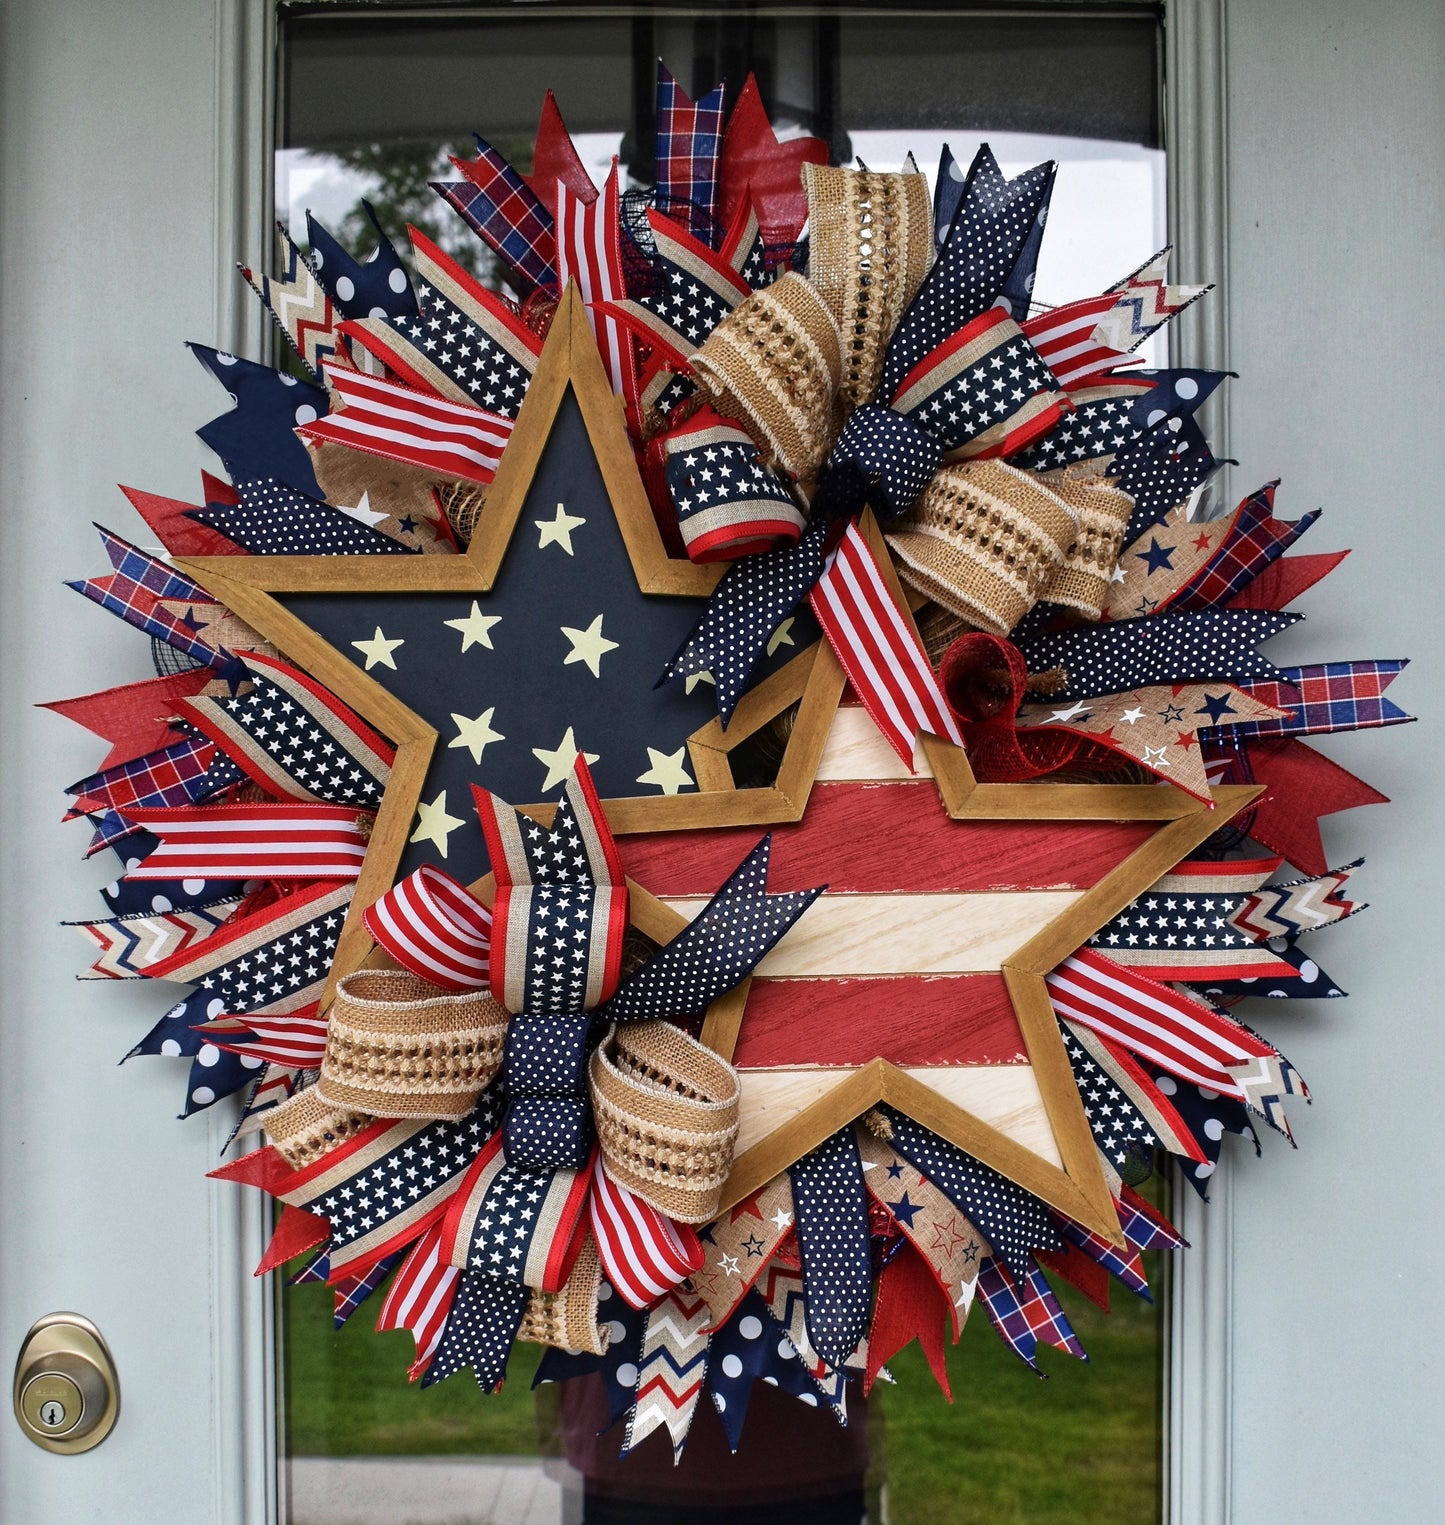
<point>831,1205</point>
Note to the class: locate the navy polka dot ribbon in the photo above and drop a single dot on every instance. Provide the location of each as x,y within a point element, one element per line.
<point>962,379</point>
<point>830,1203</point>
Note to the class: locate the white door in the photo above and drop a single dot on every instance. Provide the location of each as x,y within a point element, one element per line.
<point>1306,1325</point>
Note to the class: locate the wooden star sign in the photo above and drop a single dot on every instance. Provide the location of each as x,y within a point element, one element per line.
<point>917,978</point>
<point>497,667</point>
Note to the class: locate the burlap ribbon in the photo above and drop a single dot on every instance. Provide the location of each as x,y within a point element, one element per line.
<point>667,1116</point>
<point>399,1046</point>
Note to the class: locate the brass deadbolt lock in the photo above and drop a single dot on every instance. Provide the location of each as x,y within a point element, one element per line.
<point>66,1393</point>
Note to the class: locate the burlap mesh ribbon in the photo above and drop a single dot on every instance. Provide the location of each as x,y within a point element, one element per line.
<point>667,1117</point>
<point>398,1046</point>
<point>305,1127</point>
<point>1103,513</point>
<point>986,541</point>
<point>774,364</point>
<point>568,1319</point>
<point>870,245</point>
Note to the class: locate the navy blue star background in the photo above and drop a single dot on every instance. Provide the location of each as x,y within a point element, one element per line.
<point>517,667</point>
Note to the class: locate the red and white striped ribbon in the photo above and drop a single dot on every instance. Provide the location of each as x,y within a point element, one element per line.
<point>420,1297</point>
<point>399,423</point>
<point>1151,1020</point>
<point>644,1253</point>
<point>880,654</point>
<point>254,842</point>
<point>1065,338</point>
<point>589,251</point>
<point>434,927</point>
<point>296,1039</point>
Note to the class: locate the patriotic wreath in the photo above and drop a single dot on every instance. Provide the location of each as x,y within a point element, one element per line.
<point>891,559</point>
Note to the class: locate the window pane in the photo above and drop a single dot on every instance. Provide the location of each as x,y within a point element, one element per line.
<point>370,106</point>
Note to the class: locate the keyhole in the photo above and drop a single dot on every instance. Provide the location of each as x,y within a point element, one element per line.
<point>52,1413</point>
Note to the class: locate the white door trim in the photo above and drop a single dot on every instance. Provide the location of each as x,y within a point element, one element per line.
<point>1198,1352</point>
<point>243,1307</point>
<point>243,1333</point>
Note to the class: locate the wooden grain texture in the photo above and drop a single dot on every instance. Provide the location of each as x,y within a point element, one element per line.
<point>948,1019</point>
<point>907,934</point>
<point>1003,1097</point>
<point>890,836</point>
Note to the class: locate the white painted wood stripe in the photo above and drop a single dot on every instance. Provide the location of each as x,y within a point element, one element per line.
<point>1005,1096</point>
<point>906,934</point>
<point>857,750</point>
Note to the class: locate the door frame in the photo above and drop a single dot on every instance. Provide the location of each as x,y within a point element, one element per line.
<point>1198,1353</point>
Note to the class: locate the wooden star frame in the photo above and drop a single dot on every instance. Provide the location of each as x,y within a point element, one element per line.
<point>813,681</point>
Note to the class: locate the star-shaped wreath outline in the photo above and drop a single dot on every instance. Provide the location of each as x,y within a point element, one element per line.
<point>814,679</point>
<point>1078,1186</point>
<point>248,584</point>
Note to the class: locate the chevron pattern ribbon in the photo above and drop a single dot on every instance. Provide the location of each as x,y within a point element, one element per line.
<point>671,1370</point>
<point>1298,905</point>
<point>129,945</point>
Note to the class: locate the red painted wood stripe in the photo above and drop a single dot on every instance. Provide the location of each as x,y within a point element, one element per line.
<point>881,837</point>
<point>909,1020</point>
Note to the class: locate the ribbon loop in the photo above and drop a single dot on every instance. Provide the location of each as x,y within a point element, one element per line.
<point>985,540</point>
<point>667,1117</point>
<point>871,244</point>
<point>895,458</point>
<point>397,1046</point>
<point>774,364</point>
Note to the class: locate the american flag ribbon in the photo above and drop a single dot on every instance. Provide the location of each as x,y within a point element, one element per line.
<point>466,344</point>
<point>278,734</point>
<point>881,655</point>
<point>1065,338</point>
<point>501,208</point>
<point>589,251</point>
<point>643,1252</point>
<point>420,1297</point>
<point>689,142</point>
<point>296,1040</point>
<point>696,289</point>
<point>435,927</point>
<point>272,841</point>
<point>447,439</point>
<point>1156,1022</point>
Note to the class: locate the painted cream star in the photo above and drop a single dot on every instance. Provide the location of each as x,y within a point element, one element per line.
<point>667,771</point>
<point>782,636</point>
<point>588,646</point>
<point>559,761</point>
<point>699,677</point>
<point>378,650</point>
<point>474,735</point>
<point>363,512</point>
<point>434,825</point>
<point>476,628</point>
<point>558,531</point>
